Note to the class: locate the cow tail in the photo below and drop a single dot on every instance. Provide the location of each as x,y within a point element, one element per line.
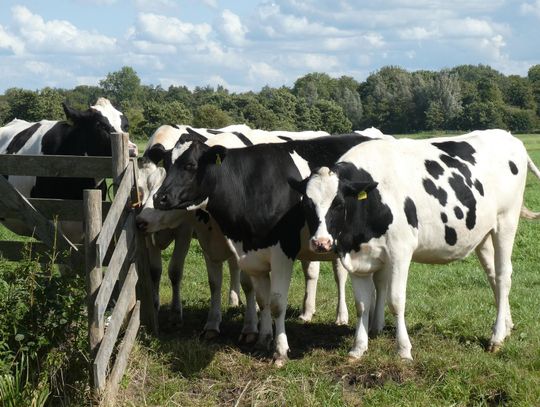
<point>526,213</point>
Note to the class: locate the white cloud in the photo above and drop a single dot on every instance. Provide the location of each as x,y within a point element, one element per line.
<point>10,42</point>
<point>313,62</point>
<point>147,47</point>
<point>58,36</point>
<point>232,28</point>
<point>211,3</point>
<point>171,30</point>
<point>416,33</point>
<point>531,8</point>
<point>261,72</point>
<point>154,4</point>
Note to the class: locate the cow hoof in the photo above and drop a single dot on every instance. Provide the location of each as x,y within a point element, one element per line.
<point>342,321</point>
<point>355,355</point>
<point>494,348</point>
<point>234,300</point>
<point>279,361</point>
<point>248,338</point>
<point>305,317</point>
<point>406,356</point>
<point>210,334</point>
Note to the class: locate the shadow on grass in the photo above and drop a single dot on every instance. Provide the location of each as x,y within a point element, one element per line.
<point>182,346</point>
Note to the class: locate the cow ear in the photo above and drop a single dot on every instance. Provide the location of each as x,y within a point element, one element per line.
<point>298,186</point>
<point>195,136</point>
<point>73,114</point>
<point>156,153</point>
<point>359,189</point>
<point>214,156</point>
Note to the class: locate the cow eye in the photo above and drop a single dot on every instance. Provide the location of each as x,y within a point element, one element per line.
<point>189,167</point>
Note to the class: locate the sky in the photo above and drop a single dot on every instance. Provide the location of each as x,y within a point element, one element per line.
<point>245,45</point>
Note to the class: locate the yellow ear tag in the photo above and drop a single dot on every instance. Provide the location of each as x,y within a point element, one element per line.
<point>362,195</point>
<point>218,160</point>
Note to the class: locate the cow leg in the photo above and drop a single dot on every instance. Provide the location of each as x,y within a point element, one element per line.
<point>182,239</point>
<point>249,329</point>
<point>282,268</point>
<point>363,294</point>
<point>154,257</point>
<point>397,287</point>
<point>234,288</point>
<point>486,254</point>
<point>215,279</point>
<point>261,284</point>
<point>311,275</point>
<point>503,241</point>
<point>340,276</point>
<point>376,322</point>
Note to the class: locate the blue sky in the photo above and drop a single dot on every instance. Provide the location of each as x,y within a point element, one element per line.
<point>245,45</point>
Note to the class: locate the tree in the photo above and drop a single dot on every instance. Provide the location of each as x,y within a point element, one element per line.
<point>314,86</point>
<point>258,116</point>
<point>346,95</point>
<point>157,114</point>
<point>333,120</point>
<point>82,96</point>
<point>282,103</point>
<point>123,87</point>
<point>20,102</point>
<point>517,91</point>
<point>48,105</point>
<point>534,78</point>
<point>211,116</point>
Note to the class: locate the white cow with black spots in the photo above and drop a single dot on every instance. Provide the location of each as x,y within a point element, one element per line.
<point>387,203</point>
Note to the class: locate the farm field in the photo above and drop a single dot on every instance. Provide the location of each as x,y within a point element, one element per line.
<point>450,310</point>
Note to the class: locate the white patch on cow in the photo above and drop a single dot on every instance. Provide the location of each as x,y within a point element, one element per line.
<point>301,164</point>
<point>114,116</point>
<point>322,188</point>
<point>179,150</point>
<point>201,205</point>
<point>375,133</point>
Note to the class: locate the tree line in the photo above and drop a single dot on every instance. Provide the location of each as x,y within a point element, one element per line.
<point>392,99</point>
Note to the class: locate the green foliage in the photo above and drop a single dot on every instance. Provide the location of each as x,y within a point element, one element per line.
<point>333,120</point>
<point>122,87</point>
<point>158,113</point>
<point>211,116</point>
<point>17,390</point>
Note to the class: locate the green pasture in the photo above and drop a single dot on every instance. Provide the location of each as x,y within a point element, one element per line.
<point>450,310</point>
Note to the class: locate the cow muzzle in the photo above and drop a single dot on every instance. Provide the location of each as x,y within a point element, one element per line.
<point>321,244</point>
<point>162,201</point>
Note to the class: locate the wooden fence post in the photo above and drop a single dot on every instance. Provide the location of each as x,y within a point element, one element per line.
<point>120,156</point>
<point>92,220</point>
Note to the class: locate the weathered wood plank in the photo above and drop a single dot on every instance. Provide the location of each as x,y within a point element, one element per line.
<point>65,209</point>
<point>124,247</point>
<point>115,212</point>
<point>56,165</point>
<point>149,316</point>
<point>17,251</point>
<point>115,323</point>
<point>122,356</point>
<point>120,157</point>
<point>44,229</point>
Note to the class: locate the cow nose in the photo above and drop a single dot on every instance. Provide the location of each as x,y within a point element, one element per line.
<point>161,200</point>
<point>321,244</point>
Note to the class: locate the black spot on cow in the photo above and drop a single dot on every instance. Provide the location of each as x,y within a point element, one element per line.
<point>434,168</point>
<point>444,218</point>
<point>437,192</point>
<point>212,131</point>
<point>459,149</point>
<point>466,197</point>
<point>410,212</point>
<point>458,165</point>
<point>243,139</point>
<point>513,167</point>
<point>458,212</point>
<point>479,187</point>
<point>285,138</point>
<point>20,139</point>
<point>124,124</point>
<point>202,216</point>
<point>450,235</point>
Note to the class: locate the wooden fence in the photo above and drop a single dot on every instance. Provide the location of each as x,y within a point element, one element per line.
<point>113,251</point>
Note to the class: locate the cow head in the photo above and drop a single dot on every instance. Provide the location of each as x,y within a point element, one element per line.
<point>328,195</point>
<point>97,123</point>
<point>185,185</point>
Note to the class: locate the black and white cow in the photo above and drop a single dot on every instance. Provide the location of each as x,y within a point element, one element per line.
<point>215,249</point>
<point>89,134</point>
<point>245,191</point>
<point>428,201</point>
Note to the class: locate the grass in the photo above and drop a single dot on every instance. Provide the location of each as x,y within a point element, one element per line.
<point>450,311</point>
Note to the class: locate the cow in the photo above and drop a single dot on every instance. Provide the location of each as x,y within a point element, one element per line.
<point>152,220</point>
<point>428,201</point>
<point>89,134</point>
<point>245,191</point>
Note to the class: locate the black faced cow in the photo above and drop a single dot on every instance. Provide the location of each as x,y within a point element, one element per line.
<point>429,201</point>
<point>88,135</point>
<point>246,192</point>
<point>175,225</point>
